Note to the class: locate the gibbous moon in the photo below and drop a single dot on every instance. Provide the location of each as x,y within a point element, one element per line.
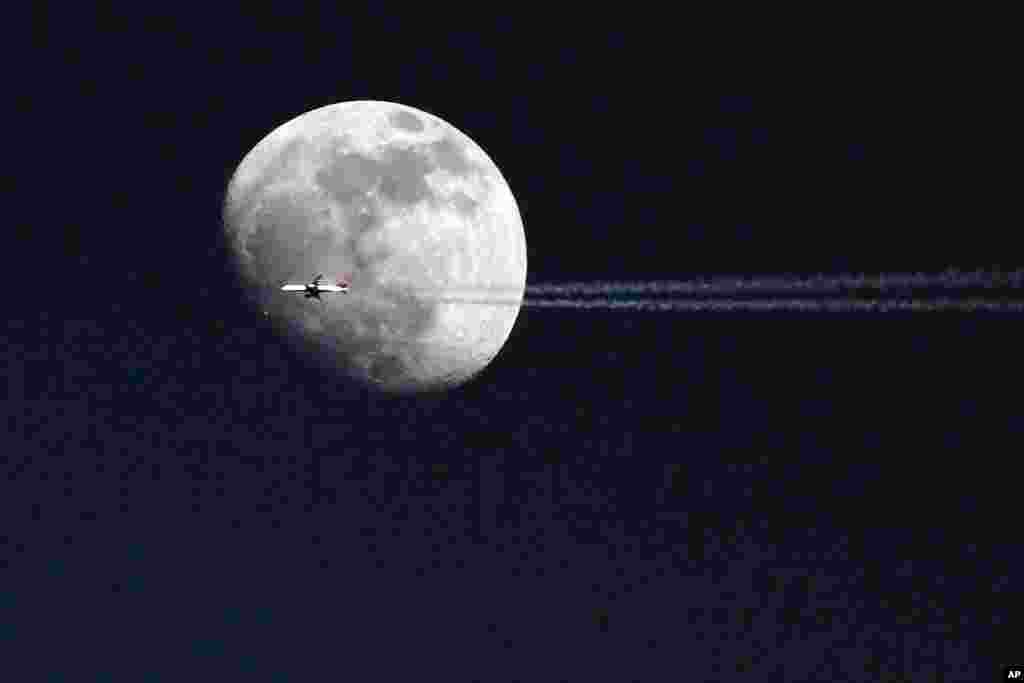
<point>409,211</point>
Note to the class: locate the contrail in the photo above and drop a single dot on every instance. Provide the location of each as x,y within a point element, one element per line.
<point>793,305</point>
<point>951,290</point>
<point>786,305</point>
<point>797,285</point>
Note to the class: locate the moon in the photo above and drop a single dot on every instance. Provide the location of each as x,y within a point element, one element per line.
<point>405,208</point>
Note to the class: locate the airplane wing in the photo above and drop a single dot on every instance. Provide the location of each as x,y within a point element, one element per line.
<point>293,288</point>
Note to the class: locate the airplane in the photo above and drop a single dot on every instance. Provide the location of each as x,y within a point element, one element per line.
<point>314,289</point>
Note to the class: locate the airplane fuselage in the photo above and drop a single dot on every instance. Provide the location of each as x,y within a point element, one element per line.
<point>313,290</point>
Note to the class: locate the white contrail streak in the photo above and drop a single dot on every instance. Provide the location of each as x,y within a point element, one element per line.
<point>769,305</point>
<point>785,305</point>
<point>797,285</point>
<point>951,290</point>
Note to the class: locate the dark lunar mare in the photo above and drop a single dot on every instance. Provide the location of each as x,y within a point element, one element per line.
<point>406,121</point>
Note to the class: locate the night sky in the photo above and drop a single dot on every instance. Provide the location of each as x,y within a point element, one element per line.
<point>617,497</point>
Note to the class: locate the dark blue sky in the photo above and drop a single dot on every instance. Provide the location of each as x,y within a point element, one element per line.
<point>618,497</point>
